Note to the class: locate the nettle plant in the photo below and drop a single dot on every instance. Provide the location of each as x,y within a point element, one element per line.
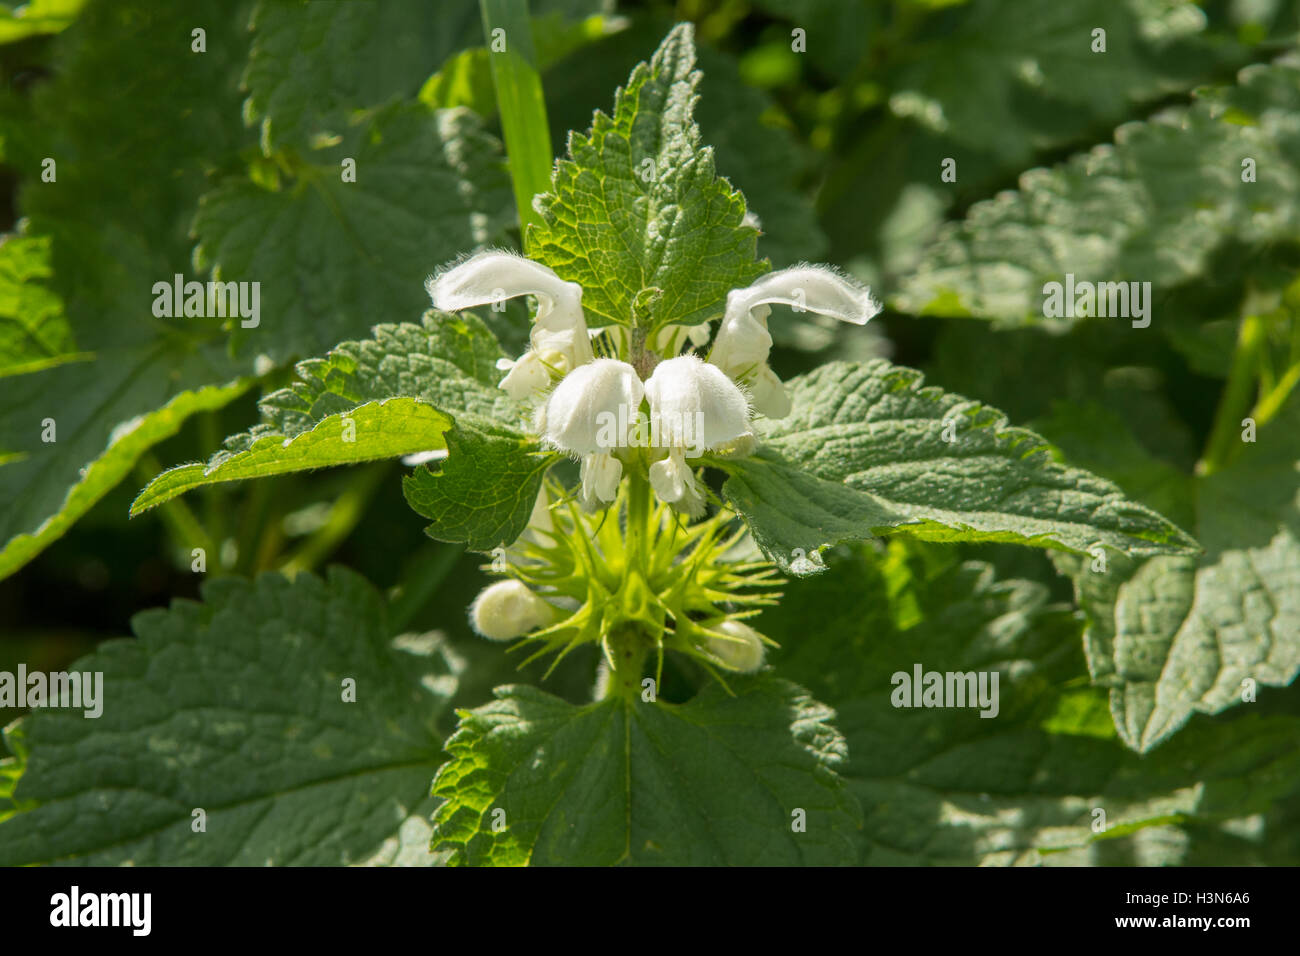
<point>640,482</point>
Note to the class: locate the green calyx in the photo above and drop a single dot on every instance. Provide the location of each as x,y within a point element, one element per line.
<point>635,578</point>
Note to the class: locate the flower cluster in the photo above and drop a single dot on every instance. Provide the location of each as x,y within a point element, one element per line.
<point>595,402</point>
<point>645,403</point>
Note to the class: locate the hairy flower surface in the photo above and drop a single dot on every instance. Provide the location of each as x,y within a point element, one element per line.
<point>697,408</point>
<point>559,337</point>
<point>743,342</point>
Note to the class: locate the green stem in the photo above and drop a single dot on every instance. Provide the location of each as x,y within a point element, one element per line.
<point>344,517</point>
<point>638,518</point>
<point>508,34</point>
<point>1238,396</point>
<point>628,647</point>
<point>429,570</point>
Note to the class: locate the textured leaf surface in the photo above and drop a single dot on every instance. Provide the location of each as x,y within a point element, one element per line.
<point>376,430</point>
<point>236,706</point>
<point>712,782</point>
<point>943,785</point>
<point>870,441</point>
<point>483,495</point>
<point>639,206</point>
<point>34,332</point>
<point>401,389</point>
<point>334,257</point>
<point>753,146</point>
<point>312,63</point>
<point>1154,207</point>
<point>1001,78</point>
<point>1174,636</point>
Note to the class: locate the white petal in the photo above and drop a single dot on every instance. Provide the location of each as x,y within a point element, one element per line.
<point>674,482</point>
<point>424,457</point>
<point>812,288</point>
<point>767,393</point>
<point>527,377</point>
<point>695,405</point>
<point>494,276</point>
<point>587,411</point>
<point>743,340</point>
<point>600,475</point>
<point>668,341</point>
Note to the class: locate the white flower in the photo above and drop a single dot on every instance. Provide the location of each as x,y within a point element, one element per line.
<point>737,645</point>
<point>508,609</point>
<point>560,340</point>
<point>694,407</point>
<point>669,340</point>
<point>743,342</point>
<point>577,418</point>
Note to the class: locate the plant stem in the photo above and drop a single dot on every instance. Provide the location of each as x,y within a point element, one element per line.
<point>1238,396</point>
<point>344,517</point>
<point>429,569</point>
<point>508,33</point>
<point>628,647</point>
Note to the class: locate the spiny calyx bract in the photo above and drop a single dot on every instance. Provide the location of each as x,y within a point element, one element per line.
<point>636,406</point>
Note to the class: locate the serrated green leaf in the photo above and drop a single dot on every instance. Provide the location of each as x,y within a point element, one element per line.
<point>236,706</point>
<point>1175,636</point>
<point>715,781</point>
<point>312,63</point>
<point>376,430</point>
<point>401,390</point>
<point>334,257</point>
<point>943,785</point>
<point>1154,207</point>
<point>34,332</point>
<point>863,452</point>
<point>638,205</point>
<point>485,491</point>
<point>752,140</point>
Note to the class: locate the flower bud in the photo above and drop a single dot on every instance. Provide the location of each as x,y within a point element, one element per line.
<point>737,646</point>
<point>508,609</point>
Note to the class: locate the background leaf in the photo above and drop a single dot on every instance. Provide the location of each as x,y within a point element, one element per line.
<point>197,713</point>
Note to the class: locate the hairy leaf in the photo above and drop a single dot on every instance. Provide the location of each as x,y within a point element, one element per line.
<point>867,450</point>
<point>400,389</point>
<point>1154,207</point>
<point>484,493</point>
<point>1174,636</point>
<point>238,707</point>
<point>944,785</point>
<point>715,781</point>
<point>638,207</point>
